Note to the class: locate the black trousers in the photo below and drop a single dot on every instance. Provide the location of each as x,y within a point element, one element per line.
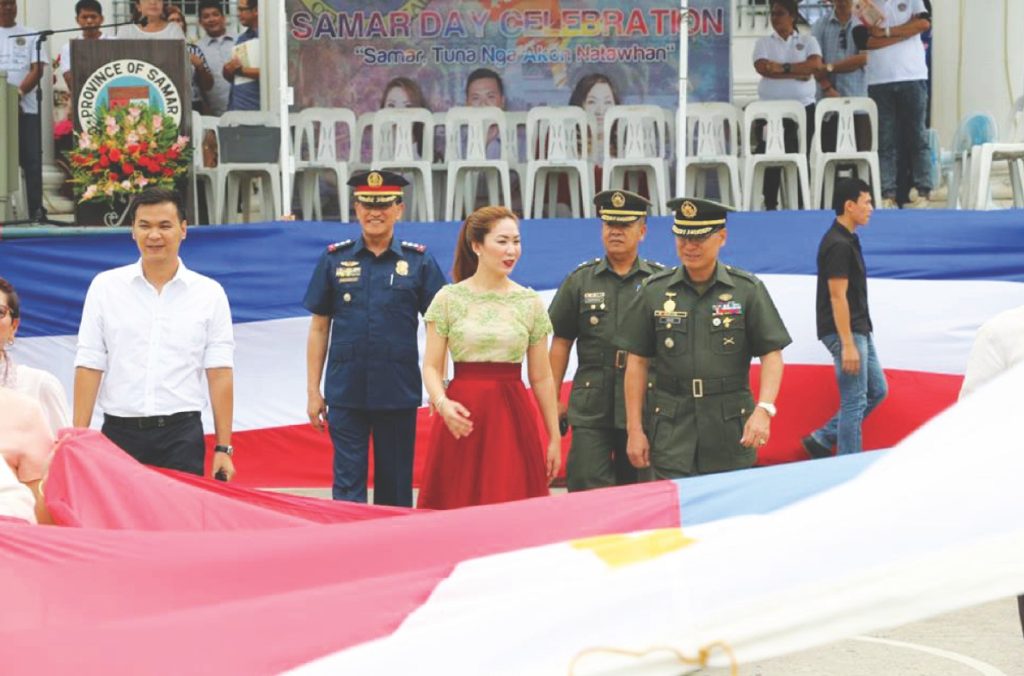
<point>31,161</point>
<point>178,445</point>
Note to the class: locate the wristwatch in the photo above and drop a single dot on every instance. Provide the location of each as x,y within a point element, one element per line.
<point>829,67</point>
<point>768,408</point>
<point>229,450</point>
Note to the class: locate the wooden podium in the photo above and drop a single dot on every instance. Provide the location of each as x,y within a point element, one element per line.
<point>114,73</point>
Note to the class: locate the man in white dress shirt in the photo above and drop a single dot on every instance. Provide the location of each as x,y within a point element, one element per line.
<point>149,332</point>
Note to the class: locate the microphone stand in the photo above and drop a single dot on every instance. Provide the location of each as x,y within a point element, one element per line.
<point>41,217</point>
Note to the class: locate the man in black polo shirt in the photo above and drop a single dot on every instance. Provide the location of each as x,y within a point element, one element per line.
<point>844,323</point>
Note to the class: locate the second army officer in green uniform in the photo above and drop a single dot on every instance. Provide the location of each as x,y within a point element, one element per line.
<point>700,324</point>
<point>588,309</point>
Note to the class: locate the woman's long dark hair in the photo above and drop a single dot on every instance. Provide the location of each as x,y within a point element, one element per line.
<point>14,308</point>
<point>474,229</point>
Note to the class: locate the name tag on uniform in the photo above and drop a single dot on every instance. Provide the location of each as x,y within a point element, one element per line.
<point>730,308</point>
<point>669,317</point>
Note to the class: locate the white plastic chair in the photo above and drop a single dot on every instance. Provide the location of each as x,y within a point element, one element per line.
<point>824,163</point>
<point>794,165</point>
<point>394,149</point>
<point>713,144</point>
<point>249,143</point>
<point>516,149</point>
<point>640,145</point>
<point>558,142</point>
<point>209,176</point>
<point>438,165</point>
<point>318,136</point>
<point>466,133</point>
<point>985,155</point>
<point>974,130</point>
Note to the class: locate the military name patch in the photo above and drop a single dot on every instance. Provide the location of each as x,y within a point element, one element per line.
<point>347,272</point>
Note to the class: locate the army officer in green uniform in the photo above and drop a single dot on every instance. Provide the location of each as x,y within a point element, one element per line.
<point>700,324</point>
<point>588,310</point>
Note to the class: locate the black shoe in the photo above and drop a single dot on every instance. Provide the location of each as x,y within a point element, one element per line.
<point>40,215</point>
<point>814,449</point>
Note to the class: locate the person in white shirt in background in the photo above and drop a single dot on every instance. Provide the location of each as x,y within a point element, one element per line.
<point>24,69</point>
<point>150,331</point>
<point>88,15</point>
<point>39,385</point>
<point>217,45</point>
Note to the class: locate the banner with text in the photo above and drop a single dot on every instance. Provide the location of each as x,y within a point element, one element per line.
<point>419,53</point>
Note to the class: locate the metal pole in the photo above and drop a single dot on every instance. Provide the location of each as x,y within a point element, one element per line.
<point>684,33</point>
<point>282,99</point>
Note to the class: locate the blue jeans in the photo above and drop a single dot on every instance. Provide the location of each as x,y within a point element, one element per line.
<point>859,394</point>
<point>902,109</point>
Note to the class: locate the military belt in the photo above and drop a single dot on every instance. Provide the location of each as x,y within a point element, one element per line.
<point>611,357</point>
<point>699,387</point>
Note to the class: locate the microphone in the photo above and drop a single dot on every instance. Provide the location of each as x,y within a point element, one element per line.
<point>144,21</point>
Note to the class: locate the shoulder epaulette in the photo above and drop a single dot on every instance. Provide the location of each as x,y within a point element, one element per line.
<point>331,248</point>
<point>413,246</point>
<point>655,264</point>
<point>659,274</point>
<point>588,262</point>
<point>749,276</point>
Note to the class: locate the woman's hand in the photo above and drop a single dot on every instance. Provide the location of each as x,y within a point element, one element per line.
<point>456,418</point>
<point>554,459</point>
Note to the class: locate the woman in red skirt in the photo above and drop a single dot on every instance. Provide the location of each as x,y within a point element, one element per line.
<point>488,448</point>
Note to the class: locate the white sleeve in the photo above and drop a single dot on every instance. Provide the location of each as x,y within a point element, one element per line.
<point>761,49</point>
<point>65,59</point>
<point>813,47</point>
<point>54,401</point>
<point>985,362</point>
<point>15,498</point>
<point>92,348</point>
<point>220,339</point>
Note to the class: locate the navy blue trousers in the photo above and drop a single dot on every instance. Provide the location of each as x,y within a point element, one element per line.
<point>394,438</point>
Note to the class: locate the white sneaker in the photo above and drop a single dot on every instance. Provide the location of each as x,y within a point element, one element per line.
<point>916,200</point>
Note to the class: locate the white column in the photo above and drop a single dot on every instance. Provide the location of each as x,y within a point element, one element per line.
<point>37,15</point>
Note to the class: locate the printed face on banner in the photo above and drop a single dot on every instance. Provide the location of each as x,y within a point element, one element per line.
<point>343,53</point>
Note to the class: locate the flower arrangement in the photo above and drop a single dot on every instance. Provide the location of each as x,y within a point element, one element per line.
<point>127,150</point>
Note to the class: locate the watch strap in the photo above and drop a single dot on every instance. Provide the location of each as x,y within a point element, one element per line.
<point>220,448</point>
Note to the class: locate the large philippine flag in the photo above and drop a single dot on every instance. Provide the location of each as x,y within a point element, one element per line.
<point>935,276</point>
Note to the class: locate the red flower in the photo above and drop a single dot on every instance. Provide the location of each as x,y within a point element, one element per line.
<point>132,148</point>
<point>168,172</point>
<point>104,161</point>
<point>113,176</point>
<point>173,154</point>
<point>127,169</point>
<point>115,155</point>
<point>159,158</point>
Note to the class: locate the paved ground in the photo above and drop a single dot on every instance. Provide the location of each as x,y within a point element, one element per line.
<point>984,640</point>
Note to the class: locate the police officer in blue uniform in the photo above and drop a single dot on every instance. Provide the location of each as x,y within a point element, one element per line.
<point>365,296</point>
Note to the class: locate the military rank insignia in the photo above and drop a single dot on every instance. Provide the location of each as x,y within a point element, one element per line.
<point>594,300</point>
<point>348,271</point>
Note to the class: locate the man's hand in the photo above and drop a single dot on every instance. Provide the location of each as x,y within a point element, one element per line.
<point>222,463</point>
<point>638,449</point>
<point>851,359</point>
<point>757,430</point>
<point>317,411</point>
<point>231,67</point>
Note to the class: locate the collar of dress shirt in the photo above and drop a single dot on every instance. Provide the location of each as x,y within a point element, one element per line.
<point>182,274</point>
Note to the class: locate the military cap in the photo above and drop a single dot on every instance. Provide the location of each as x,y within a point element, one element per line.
<point>694,217</point>
<point>377,188</point>
<point>620,207</point>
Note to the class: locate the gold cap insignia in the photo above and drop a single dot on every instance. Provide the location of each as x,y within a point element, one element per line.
<point>689,209</point>
<point>618,200</point>
<point>374,180</point>
<point>725,296</point>
<point>402,268</point>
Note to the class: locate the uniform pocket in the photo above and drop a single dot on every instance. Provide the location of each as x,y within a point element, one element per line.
<point>672,335</point>
<point>588,401</point>
<point>728,336</point>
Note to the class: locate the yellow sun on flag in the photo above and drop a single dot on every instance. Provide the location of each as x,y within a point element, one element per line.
<point>626,549</point>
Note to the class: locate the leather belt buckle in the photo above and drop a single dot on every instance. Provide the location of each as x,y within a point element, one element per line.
<point>620,359</point>
<point>698,388</point>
